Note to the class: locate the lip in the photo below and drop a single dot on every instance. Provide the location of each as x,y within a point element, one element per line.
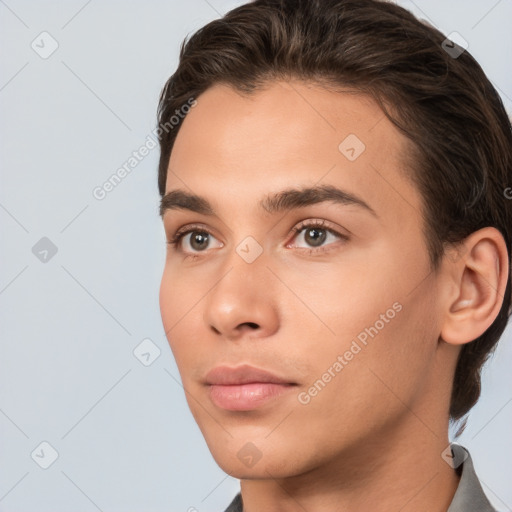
<point>246,397</point>
<point>244,388</point>
<point>245,374</point>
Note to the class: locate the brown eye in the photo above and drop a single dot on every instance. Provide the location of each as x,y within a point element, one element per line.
<point>198,240</point>
<point>315,234</point>
<point>192,240</point>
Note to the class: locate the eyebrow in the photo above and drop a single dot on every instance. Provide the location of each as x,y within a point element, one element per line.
<point>276,202</point>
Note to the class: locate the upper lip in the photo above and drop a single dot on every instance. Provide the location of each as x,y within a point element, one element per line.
<point>245,374</point>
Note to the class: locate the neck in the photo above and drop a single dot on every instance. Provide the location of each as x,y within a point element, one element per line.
<point>401,470</point>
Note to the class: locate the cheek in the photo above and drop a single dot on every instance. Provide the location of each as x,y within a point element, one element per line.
<point>177,299</point>
<point>166,299</point>
<point>371,314</point>
<point>361,387</point>
<point>341,297</point>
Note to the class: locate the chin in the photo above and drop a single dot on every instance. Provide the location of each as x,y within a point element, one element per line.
<point>260,470</point>
<point>244,460</point>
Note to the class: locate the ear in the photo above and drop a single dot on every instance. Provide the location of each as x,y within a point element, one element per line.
<point>475,286</point>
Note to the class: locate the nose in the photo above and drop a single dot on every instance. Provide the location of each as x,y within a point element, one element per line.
<point>243,303</point>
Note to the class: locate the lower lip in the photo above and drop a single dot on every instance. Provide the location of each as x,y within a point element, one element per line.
<point>245,397</point>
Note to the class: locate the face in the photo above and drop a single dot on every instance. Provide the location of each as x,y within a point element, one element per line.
<point>330,292</point>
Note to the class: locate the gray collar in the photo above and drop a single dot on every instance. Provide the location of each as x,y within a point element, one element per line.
<point>469,496</point>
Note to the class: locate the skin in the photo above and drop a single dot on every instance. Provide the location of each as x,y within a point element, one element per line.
<point>372,438</point>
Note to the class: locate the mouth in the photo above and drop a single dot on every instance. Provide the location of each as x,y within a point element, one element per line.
<point>246,397</point>
<point>245,388</point>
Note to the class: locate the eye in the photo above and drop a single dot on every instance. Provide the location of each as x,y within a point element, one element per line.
<point>192,239</point>
<point>316,234</point>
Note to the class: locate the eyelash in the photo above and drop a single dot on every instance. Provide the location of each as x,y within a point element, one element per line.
<point>176,239</point>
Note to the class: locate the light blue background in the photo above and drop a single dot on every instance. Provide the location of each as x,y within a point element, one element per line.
<point>125,437</point>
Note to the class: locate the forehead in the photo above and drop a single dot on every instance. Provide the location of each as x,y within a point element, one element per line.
<point>291,134</point>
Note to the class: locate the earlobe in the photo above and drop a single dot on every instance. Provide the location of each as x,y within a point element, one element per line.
<point>480,279</point>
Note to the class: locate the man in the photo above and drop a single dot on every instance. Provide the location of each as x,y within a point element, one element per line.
<point>334,193</point>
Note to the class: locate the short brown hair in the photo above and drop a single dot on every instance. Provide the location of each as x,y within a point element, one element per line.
<point>461,135</point>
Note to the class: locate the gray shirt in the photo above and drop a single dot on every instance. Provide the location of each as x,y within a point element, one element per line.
<point>469,496</point>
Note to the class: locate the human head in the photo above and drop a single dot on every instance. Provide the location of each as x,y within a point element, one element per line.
<point>459,153</point>
<point>455,118</point>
